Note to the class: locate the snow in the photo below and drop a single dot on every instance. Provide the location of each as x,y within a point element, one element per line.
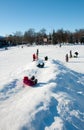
<point>55,103</point>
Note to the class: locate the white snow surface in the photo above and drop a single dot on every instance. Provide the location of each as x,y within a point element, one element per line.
<point>56,102</point>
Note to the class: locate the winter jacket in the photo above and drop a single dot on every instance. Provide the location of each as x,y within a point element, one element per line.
<point>27,81</point>
<point>34,57</point>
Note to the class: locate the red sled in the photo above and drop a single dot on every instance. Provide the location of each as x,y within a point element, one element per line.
<point>29,82</point>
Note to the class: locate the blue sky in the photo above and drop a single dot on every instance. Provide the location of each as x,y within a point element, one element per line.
<point>21,15</point>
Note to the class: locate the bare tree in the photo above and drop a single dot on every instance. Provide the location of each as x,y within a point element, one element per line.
<point>29,36</point>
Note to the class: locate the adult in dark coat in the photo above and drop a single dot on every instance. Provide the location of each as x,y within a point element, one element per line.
<point>67,58</point>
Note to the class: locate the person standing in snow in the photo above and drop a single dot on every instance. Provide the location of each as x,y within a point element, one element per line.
<point>60,45</point>
<point>37,53</point>
<point>70,54</point>
<point>34,57</point>
<point>67,58</point>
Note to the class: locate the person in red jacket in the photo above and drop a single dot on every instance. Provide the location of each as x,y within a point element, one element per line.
<point>34,57</point>
<point>29,82</point>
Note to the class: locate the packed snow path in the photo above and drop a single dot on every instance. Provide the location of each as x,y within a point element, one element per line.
<point>55,103</point>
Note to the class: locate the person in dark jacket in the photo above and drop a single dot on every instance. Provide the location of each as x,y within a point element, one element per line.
<point>37,53</point>
<point>46,58</point>
<point>67,58</point>
<point>70,54</point>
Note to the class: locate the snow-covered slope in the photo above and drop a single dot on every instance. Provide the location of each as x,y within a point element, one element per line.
<point>55,103</point>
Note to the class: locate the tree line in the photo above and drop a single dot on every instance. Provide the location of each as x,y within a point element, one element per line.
<point>31,37</point>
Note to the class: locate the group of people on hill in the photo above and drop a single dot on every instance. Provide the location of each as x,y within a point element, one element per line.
<point>31,81</point>
<point>39,63</point>
<point>67,57</point>
<point>75,56</point>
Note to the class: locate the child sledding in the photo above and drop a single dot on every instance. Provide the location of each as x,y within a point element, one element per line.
<point>76,54</point>
<point>40,63</point>
<point>29,81</point>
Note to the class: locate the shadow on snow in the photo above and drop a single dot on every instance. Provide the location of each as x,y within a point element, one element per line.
<point>68,82</point>
<point>8,90</point>
<point>71,83</point>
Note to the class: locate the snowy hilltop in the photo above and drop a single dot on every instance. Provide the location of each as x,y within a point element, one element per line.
<point>55,102</point>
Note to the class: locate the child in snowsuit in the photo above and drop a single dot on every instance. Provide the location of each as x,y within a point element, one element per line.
<point>29,81</point>
<point>34,57</point>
